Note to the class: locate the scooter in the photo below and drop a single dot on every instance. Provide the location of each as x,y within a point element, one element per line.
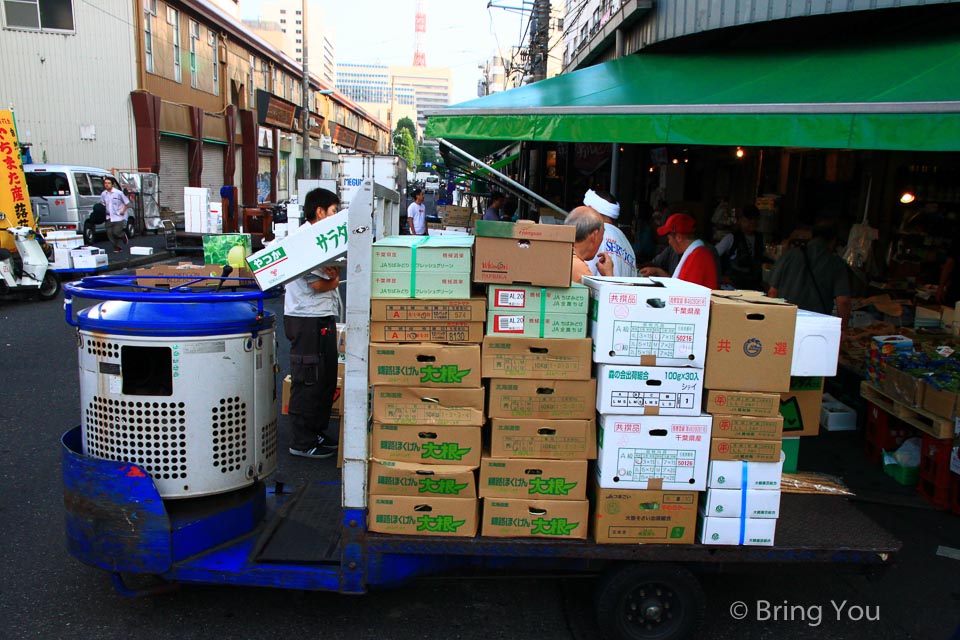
<point>27,270</point>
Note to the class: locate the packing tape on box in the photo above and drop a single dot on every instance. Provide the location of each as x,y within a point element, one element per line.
<point>743,500</point>
<point>543,309</point>
<point>413,265</point>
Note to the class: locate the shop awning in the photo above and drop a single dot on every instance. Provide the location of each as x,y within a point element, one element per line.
<point>902,96</point>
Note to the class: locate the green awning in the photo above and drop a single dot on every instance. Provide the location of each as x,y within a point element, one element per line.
<point>902,96</point>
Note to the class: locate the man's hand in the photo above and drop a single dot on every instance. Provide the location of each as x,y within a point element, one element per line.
<point>604,264</point>
<point>654,271</point>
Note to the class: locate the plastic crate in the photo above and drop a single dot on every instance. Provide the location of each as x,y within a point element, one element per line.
<point>955,495</point>
<point>907,476</point>
<point>939,497</point>
<point>882,432</point>
<point>935,460</point>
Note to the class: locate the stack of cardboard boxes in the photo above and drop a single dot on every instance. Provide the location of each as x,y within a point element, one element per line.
<point>649,340</point>
<point>749,359</point>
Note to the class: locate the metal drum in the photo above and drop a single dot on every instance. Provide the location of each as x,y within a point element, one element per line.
<point>181,383</point>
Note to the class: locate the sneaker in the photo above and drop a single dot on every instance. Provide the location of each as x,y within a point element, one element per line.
<point>327,443</point>
<point>117,249</point>
<point>313,452</point>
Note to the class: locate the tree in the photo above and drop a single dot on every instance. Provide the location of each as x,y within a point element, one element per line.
<point>406,126</point>
<point>407,123</point>
<point>405,147</point>
<point>427,154</point>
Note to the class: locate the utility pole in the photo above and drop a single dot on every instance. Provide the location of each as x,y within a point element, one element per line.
<point>306,93</point>
<point>539,39</point>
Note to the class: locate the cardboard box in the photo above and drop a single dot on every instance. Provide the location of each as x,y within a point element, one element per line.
<point>533,479</point>
<point>523,253</point>
<point>746,403</point>
<point>791,453</point>
<point>653,452</point>
<point>754,532</point>
<point>836,416</point>
<point>536,325</point>
<point>422,256</point>
<point>451,332</point>
<point>517,518</point>
<point>285,395</point>
<point>665,391</point>
<point>424,516</point>
<point>800,407</point>
<point>391,478</point>
<point>429,311</point>
<point>573,299</point>
<point>751,343</point>
<point>940,402</point>
<point>308,248</point>
<point>428,406</point>
<point>542,399</point>
<point>630,516</point>
<point>552,439</point>
<point>658,322</point>
<point>425,364</point>
<point>738,474</point>
<point>192,276</point>
<point>141,251</point>
<point>903,386</point>
<point>744,449</point>
<point>730,503</point>
<point>452,215</point>
<point>430,285</point>
<point>88,257</point>
<point>426,444</point>
<point>816,344</point>
<point>753,427</point>
<point>881,348</point>
<point>535,358</point>
<point>219,248</point>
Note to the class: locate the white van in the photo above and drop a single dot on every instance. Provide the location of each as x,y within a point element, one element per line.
<point>431,184</point>
<point>62,197</point>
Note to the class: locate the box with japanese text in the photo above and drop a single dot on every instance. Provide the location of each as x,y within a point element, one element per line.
<point>523,253</point>
<point>533,324</point>
<point>88,258</point>
<point>543,399</point>
<point>653,452</point>
<point>730,503</point>
<point>552,439</point>
<point>428,311</point>
<point>758,532</point>
<point>520,518</point>
<point>226,248</point>
<point>658,322</point>
<point>392,478</point>
<point>751,342</point>
<point>426,444</point>
<point>412,331</point>
<point>407,284</point>
<point>533,479</point>
<point>425,364</point>
<point>424,515</point>
<point>573,299</point>
<point>422,255</point>
<point>743,403</point>
<point>744,449</point>
<point>631,516</point>
<point>800,407</point>
<point>535,358</point>
<point>192,276</point>
<point>428,405</point>
<point>304,250</point>
<point>752,427</point>
<point>651,391</point>
<point>738,474</point>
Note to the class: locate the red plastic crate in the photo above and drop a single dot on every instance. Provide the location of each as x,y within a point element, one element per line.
<point>935,461</point>
<point>939,497</point>
<point>883,432</point>
<point>955,495</point>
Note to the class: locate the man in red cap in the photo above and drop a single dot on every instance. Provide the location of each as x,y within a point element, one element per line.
<point>697,263</point>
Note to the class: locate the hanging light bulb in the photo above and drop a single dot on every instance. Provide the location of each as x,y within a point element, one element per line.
<point>907,196</point>
<point>675,161</point>
<point>739,152</point>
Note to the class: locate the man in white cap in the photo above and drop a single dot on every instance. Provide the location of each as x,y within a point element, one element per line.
<point>615,243</point>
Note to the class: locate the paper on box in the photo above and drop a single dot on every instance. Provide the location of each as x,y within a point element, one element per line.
<point>409,331</point>
<point>309,247</point>
<point>423,515</point>
<point>630,516</point>
<point>744,449</point>
<point>573,299</point>
<point>552,439</point>
<point>746,403</point>
<point>403,284</point>
<point>388,477</point>
<point>733,426</point>
<point>648,321</point>
<point>816,344</point>
<point>425,364</point>
<point>428,406</point>
<point>737,474</point>
<point>749,531</point>
<point>653,452</point>
<point>535,358</point>
<point>523,253</point>
<point>730,503</point>
<point>536,325</point>
<point>519,518</point>
<point>428,311</point>
<point>533,479</point>
<point>800,407</point>
<point>634,390</point>
<point>426,444</point>
<point>544,399</point>
<point>751,342</point>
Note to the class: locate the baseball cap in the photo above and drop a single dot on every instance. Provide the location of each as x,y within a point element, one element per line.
<point>677,223</point>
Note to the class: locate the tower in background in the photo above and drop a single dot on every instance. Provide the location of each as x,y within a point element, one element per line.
<point>420,53</point>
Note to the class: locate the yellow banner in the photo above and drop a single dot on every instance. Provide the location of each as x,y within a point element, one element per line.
<point>14,199</point>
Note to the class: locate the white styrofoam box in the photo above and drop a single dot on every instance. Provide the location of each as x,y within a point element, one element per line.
<point>307,248</point>
<point>215,218</point>
<point>730,503</point>
<point>739,474</point>
<point>757,532</point>
<point>63,242</point>
<point>836,416</point>
<point>196,209</point>
<point>665,391</point>
<point>648,321</point>
<point>280,230</point>
<point>816,344</point>
<point>88,257</point>
<point>633,451</point>
<point>141,251</point>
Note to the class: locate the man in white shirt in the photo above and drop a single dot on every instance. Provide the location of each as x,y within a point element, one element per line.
<point>116,204</point>
<point>615,244</point>
<point>417,214</point>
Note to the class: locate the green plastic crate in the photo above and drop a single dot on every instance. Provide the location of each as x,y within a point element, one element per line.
<point>791,453</point>
<point>907,476</point>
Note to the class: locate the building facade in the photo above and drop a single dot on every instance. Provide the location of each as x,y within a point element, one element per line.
<point>320,35</point>
<point>374,88</point>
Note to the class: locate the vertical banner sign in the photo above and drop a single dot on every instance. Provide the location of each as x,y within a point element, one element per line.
<point>14,199</point>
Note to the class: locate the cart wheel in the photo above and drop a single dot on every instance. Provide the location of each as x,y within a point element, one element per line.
<point>131,228</point>
<point>50,286</point>
<point>89,234</point>
<point>649,602</point>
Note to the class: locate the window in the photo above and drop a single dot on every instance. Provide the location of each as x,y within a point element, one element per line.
<point>194,38</point>
<point>253,68</point>
<point>96,184</point>
<point>47,184</point>
<point>39,15</point>
<point>283,21</point>
<point>173,18</point>
<point>148,39</point>
<point>150,6</point>
<point>212,41</point>
<point>83,184</point>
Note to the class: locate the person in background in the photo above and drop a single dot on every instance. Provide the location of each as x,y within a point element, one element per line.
<point>116,203</point>
<point>615,244</point>
<point>417,214</point>
<point>697,262</point>
<point>493,211</point>
<point>586,244</point>
<point>509,211</point>
<point>742,252</point>
<point>948,286</point>
<point>311,308</point>
<point>812,276</point>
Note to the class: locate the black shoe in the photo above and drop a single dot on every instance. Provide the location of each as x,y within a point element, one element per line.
<point>313,452</point>
<point>327,443</point>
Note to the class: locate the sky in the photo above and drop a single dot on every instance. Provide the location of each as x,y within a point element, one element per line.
<point>461,34</point>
